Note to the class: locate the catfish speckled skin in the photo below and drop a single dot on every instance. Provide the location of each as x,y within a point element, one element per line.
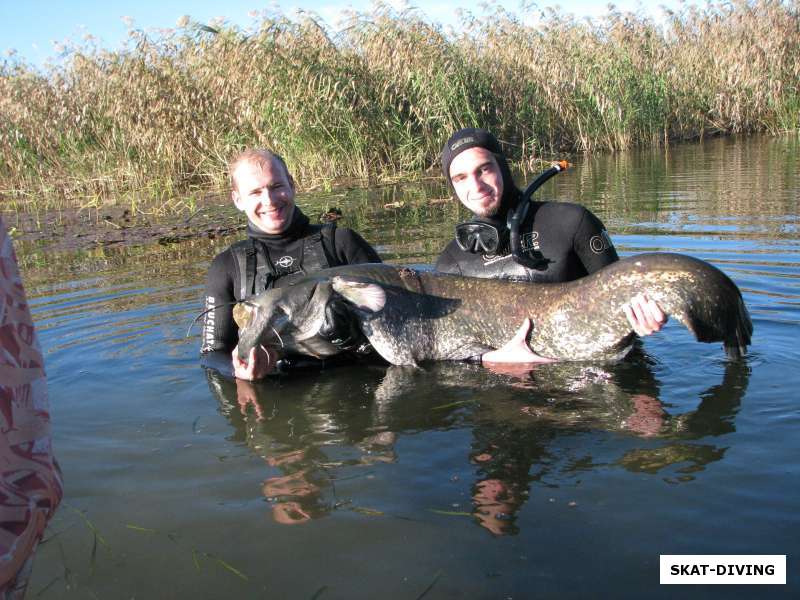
<point>433,316</point>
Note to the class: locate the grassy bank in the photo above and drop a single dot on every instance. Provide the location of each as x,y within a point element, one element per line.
<point>160,119</point>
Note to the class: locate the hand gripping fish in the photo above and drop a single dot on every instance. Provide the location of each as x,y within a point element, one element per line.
<point>415,316</point>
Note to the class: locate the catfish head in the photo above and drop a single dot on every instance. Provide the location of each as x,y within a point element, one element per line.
<point>290,318</point>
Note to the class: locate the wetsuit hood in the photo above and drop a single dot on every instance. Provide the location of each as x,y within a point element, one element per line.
<point>472,137</point>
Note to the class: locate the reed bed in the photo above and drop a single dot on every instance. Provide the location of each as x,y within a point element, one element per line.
<point>160,118</point>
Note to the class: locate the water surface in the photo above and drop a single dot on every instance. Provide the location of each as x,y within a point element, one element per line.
<point>449,481</point>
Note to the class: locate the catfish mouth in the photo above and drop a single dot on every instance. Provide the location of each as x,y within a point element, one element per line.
<point>257,324</point>
<point>291,318</point>
<point>280,318</point>
<point>243,313</point>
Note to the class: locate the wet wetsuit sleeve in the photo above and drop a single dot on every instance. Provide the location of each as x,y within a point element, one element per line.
<point>592,243</point>
<point>220,332</point>
<point>448,261</point>
<point>352,249</point>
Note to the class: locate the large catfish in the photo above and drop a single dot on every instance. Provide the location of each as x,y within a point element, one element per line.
<point>413,316</point>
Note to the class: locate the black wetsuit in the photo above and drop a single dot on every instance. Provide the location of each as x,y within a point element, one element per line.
<point>281,259</point>
<point>566,240</point>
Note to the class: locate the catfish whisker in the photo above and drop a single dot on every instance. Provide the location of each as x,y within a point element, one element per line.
<point>208,310</point>
<point>269,356</point>
<point>278,335</point>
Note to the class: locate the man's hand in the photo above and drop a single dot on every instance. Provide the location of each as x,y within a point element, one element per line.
<point>644,315</point>
<point>516,350</point>
<point>341,328</point>
<point>261,362</point>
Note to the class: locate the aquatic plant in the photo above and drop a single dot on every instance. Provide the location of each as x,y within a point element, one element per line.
<point>159,118</point>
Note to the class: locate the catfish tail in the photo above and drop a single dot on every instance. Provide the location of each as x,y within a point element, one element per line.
<point>715,312</point>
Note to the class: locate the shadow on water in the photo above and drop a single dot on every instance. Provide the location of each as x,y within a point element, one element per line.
<point>315,430</point>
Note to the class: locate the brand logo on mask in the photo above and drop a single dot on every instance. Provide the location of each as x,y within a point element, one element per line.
<point>284,262</point>
<point>601,243</point>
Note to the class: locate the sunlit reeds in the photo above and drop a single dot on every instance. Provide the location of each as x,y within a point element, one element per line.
<point>379,97</point>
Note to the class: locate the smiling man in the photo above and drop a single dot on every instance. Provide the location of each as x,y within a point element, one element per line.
<point>564,240</point>
<point>281,246</point>
<point>558,241</point>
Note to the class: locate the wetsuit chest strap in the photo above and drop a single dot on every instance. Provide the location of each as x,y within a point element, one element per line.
<point>319,251</point>
<point>257,272</point>
<point>253,264</point>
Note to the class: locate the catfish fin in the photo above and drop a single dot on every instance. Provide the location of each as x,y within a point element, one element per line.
<point>369,297</point>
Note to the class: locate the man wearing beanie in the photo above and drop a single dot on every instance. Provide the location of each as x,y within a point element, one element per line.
<point>559,241</point>
<point>281,246</point>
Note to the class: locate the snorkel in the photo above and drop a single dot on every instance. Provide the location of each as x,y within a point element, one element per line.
<point>517,216</point>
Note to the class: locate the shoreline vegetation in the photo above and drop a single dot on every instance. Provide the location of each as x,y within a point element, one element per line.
<point>155,122</point>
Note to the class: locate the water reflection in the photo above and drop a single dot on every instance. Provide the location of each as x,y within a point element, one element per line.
<point>714,416</point>
<point>303,434</point>
<point>312,431</point>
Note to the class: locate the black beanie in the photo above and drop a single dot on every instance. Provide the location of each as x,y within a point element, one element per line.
<point>472,137</point>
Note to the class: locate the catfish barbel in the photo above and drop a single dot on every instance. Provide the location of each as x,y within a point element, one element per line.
<point>413,316</point>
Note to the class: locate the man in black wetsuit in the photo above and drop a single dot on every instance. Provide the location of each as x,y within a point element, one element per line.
<point>558,241</point>
<point>281,246</point>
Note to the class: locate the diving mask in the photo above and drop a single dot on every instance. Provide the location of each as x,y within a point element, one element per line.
<point>480,237</point>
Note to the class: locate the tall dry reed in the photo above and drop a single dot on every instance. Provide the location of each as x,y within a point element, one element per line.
<point>162,117</point>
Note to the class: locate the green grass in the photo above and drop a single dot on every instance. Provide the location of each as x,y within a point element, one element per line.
<point>159,120</point>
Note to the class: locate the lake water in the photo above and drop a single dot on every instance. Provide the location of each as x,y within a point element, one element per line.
<point>449,481</point>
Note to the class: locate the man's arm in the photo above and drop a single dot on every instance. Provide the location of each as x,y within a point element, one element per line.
<point>219,329</point>
<point>447,261</point>
<point>593,244</point>
<point>352,249</point>
<point>596,250</point>
<point>340,326</point>
<point>220,332</point>
<point>644,315</point>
